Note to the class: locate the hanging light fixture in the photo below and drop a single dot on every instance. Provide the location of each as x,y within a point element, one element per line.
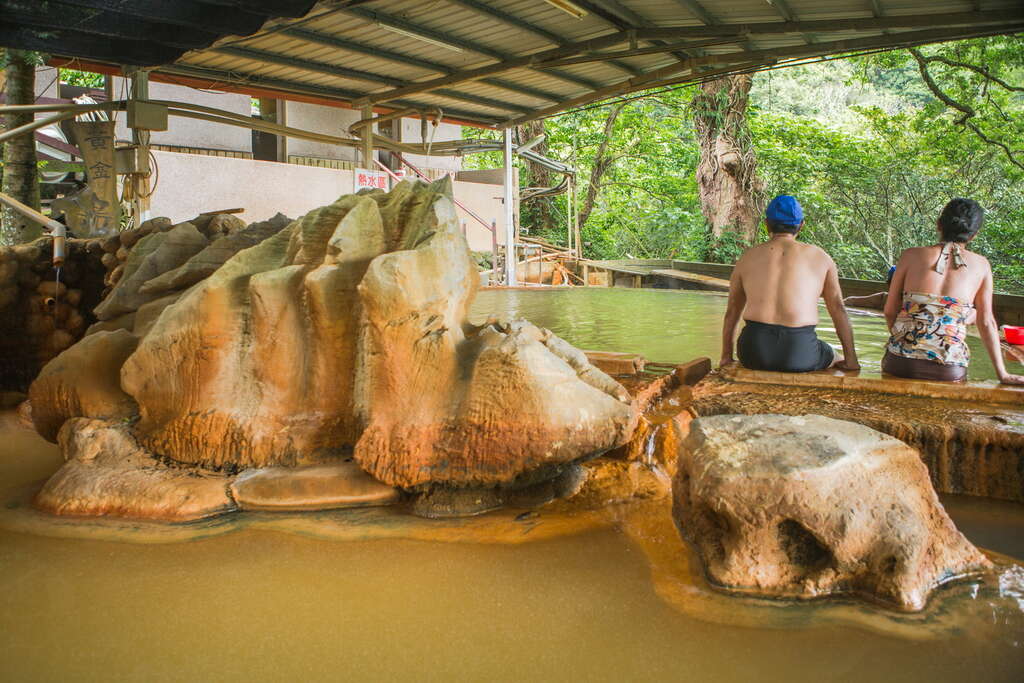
<point>568,7</point>
<point>419,36</point>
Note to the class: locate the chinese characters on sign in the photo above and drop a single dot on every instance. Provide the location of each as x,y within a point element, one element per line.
<point>369,179</point>
<point>95,139</point>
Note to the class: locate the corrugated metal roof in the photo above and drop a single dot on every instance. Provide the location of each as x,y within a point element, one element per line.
<point>497,62</point>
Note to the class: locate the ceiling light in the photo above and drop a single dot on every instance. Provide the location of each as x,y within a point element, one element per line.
<point>420,36</point>
<point>568,7</point>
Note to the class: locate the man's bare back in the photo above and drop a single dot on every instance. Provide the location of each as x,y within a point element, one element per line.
<point>775,288</point>
<point>782,280</point>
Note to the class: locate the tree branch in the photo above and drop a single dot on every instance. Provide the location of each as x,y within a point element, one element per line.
<point>967,111</point>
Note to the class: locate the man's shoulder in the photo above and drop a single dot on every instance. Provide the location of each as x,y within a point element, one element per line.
<point>813,251</point>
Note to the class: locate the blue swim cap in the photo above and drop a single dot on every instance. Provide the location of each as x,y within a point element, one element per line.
<point>785,209</point>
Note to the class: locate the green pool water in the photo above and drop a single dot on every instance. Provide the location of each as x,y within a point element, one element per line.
<point>669,325</point>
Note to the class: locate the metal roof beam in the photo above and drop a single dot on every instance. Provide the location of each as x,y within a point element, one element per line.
<point>285,87</point>
<point>197,15</point>
<point>356,74</point>
<point>380,53</point>
<point>697,10</point>
<point>972,19</point>
<point>758,59</point>
<point>383,18</point>
<point>513,20</point>
<point>476,74</point>
<point>787,13</point>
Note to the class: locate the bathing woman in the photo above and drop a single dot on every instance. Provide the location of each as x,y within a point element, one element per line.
<point>932,297</point>
<point>775,288</point>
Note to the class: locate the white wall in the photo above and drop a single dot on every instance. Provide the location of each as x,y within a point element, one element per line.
<point>320,119</point>
<point>191,183</point>
<point>185,132</point>
<point>411,132</point>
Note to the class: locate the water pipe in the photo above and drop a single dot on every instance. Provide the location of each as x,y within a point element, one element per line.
<point>58,231</point>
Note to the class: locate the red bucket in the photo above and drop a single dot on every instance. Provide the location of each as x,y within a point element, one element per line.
<point>1014,335</point>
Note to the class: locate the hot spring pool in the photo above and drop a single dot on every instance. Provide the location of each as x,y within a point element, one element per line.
<point>669,325</point>
<point>255,604</point>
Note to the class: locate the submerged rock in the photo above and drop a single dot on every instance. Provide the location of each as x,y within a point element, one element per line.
<point>315,487</point>
<point>808,506</point>
<point>107,473</point>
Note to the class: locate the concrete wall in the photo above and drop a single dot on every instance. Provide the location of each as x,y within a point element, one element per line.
<point>190,132</point>
<point>190,184</point>
<point>320,119</point>
<point>446,131</point>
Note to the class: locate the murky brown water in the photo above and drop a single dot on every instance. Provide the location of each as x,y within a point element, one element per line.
<point>670,325</point>
<point>264,605</point>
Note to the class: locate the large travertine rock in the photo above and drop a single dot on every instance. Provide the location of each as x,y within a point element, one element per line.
<point>346,332</point>
<point>805,506</point>
<point>106,473</point>
<point>83,381</point>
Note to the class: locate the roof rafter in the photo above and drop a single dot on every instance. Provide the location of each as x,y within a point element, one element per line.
<point>285,86</point>
<point>381,17</point>
<point>355,74</point>
<point>511,20</point>
<point>528,61</point>
<point>359,48</point>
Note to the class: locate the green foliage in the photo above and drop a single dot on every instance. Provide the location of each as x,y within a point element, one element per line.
<point>84,79</point>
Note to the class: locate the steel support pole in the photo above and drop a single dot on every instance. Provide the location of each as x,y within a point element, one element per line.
<point>139,90</point>
<point>510,214</point>
<point>367,138</point>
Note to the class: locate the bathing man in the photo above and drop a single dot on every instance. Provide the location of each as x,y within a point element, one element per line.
<point>775,288</point>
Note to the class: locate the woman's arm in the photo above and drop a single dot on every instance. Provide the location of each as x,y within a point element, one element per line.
<point>989,331</point>
<point>894,301</point>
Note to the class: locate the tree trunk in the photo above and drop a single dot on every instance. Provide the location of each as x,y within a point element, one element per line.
<point>602,162</point>
<point>20,179</point>
<point>730,190</point>
<point>539,208</point>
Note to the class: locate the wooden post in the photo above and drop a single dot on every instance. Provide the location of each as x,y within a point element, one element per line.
<point>586,275</point>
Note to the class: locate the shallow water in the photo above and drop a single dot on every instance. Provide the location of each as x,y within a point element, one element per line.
<point>263,605</point>
<point>669,325</point>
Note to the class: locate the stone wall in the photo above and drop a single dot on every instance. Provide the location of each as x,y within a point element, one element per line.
<point>39,315</point>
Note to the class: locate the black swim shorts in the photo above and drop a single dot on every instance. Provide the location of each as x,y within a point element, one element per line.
<point>783,349</point>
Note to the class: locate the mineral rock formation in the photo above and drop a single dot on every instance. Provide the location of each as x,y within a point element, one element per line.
<point>316,487</point>
<point>152,256</point>
<point>108,474</point>
<point>808,506</point>
<point>345,335</point>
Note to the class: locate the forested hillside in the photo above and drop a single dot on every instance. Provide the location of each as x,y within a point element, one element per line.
<point>873,146</point>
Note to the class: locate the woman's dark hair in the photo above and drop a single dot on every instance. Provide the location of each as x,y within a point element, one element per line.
<point>961,220</point>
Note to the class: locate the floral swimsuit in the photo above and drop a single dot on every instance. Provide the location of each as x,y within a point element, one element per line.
<point>931,327</point>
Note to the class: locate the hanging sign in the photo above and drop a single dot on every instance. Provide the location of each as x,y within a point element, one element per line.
<point>95,139</point>
<point>371,179</point>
